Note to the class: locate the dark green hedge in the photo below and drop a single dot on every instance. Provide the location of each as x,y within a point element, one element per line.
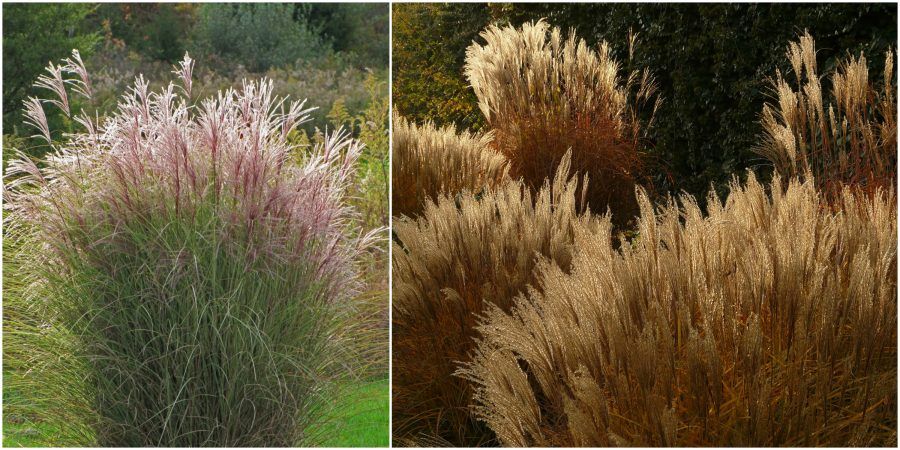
<point>711,62</point>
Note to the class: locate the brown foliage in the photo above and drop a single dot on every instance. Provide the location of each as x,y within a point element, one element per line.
<point>543,95</point>
<point>429,161</point>
<point>770,322</point>
<point>447,265</point>
<point>849,137</point>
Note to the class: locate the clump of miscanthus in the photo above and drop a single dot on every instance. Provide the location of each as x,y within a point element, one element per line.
<point>770,321</point>
<point>182,281</point>
<point>846,135</point>
<point>464,252</point>
<point>543,95</point>
<point>430,161</point>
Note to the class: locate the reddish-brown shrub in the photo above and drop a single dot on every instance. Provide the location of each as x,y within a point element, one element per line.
<point>543,95</point>
<point>461,254</point>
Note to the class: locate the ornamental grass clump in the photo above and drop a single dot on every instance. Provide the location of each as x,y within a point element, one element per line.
<point>847,137</point>
<point>464,252</point>
<point>429,161</point>
<point>771,321</point>
<point>183,282</point>
<point>543,95</point>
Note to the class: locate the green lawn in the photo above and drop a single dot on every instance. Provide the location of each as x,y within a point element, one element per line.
<point>20,430</point>
<point>362,420</point>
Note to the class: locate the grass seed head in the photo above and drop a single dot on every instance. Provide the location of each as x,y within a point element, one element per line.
<point>461,255</point>
<point>430,161</point>
<point>846,138</point>
<point>706,330</point>
<point>543,95</point>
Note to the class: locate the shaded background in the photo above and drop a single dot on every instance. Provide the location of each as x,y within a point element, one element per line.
<point>711,62</point>
<point>323,52</point>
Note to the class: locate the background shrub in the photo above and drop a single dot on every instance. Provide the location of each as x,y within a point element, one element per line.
<point>260,36</point>
<point>429,162</point>
<point>205,286</point>
<point>460,255</point>
<point>710,62</point>
<point>158,31</point>
<point>323,57</point>
<point>429,49</point>
<point>357,28</point>
<point>706,331</point>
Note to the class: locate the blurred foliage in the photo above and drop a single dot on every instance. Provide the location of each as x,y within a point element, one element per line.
<point>157,30</point>
<point>34,34</point>
<point>166,30</point>
<point>358,28</point>
<point>712,62</point>
<point>429,49</point>
<point>319,52</point>
<point>11,145</point>
<point>259,35</point>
